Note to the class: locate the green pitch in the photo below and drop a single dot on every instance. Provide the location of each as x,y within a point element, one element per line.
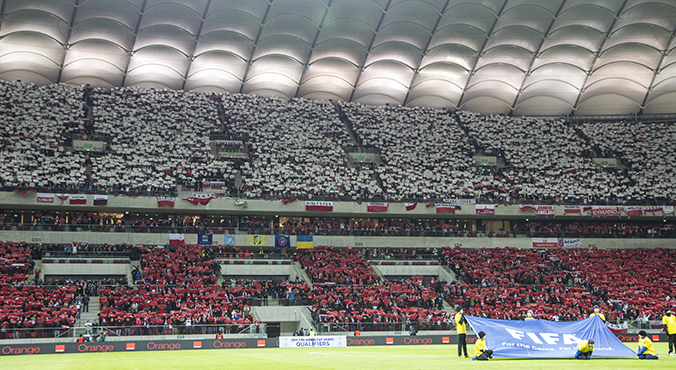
<point>381,357</point>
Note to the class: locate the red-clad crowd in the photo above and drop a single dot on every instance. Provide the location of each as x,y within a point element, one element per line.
<point>25,306</point>
<point>599,229</point>
<point>178,291</point>
<point>562,284</point>
<point>348,292</point>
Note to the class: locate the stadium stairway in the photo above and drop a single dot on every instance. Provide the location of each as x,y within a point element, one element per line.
<point>38,266</point>
<point>92,315</point>
<point>300,272</point>
<point>377,271</point>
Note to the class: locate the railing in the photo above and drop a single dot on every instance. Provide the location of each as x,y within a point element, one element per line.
<point>85,254</point>
<point>100,333</point>
<point>331,327</point>
<point>392,232</point>
<point>370,198</point>
<point>103,333</point>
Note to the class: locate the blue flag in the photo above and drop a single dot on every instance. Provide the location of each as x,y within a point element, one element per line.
<point>228,240</point>
<point>282,241</point>
<point>548,339</point>
<point>204,239</point>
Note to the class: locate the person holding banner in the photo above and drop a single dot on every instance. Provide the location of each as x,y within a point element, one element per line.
<point>598,313</point>
<point>669,322</point>
<point>481,351</point>
<point>646,351</point>
<point>529,315</point>
<point>585,349</point>
<point>461,327</point>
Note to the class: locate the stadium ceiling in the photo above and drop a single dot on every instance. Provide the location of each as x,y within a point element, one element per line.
<point>521,57</point>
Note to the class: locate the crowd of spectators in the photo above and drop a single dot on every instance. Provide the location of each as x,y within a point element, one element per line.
<point>561,284</point>
<point>349,294</point>
<point>295,149</point>
<point>176,290</point>
<point>32,121</point>
<point>160,141</point>
<point>582,229</point>
<point>424,151</point>
<point>207,224</point>
<point>545,160</point>
<point>25,305</point>
<point>646,151</point>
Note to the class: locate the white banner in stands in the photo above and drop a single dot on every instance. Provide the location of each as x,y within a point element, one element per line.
<point>460,201</point>
<point>304,342</point>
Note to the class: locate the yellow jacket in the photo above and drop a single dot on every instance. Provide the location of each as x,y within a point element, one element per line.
<point>647,344</point>
<point>602,316</point>
<point>462,327</point>
<point>480,346</point>
<point>670,322</point>
<point>584,347</point>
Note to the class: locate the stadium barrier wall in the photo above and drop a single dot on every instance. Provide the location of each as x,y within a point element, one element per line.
<point>85,268</point>
<point>145,204</point>
<point>63,237</point>
<point>199,344</point>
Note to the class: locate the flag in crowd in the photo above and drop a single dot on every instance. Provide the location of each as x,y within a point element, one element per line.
<point>176,239</point>
<point>205,239</point>
<point>282,241</point>
<point>165,201</point>
<point>257,240</point>
<point>377,207</point>
<point>100,200</point>
<point>319,206</point>
<point>304,242</point>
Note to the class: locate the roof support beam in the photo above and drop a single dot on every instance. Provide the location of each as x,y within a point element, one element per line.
<point>426,50</point>
<point>255,45</point>
<point>66,46</point>
<point>2,11</point>
<point>312,48</point>
<point>481,51</point>
<point>368,51</point>
<point>535,56</point>
<point>657,70</point>
<point>194,48</point>
<point>597,55</point>
<point>133,44</point>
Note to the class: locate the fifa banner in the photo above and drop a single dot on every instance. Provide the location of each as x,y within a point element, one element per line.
<point>304,342</point>
<point>548,339</point>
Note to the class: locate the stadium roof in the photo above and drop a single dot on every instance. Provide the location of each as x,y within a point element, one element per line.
<point>524,57</point>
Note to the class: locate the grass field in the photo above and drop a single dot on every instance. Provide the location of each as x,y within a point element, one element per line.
<point>379,357</point>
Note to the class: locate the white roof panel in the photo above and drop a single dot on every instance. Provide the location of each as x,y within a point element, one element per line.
<point>514,56</point>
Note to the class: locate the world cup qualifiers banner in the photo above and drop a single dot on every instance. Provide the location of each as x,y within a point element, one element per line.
<point>548,339</point>
<point>303,342</point>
